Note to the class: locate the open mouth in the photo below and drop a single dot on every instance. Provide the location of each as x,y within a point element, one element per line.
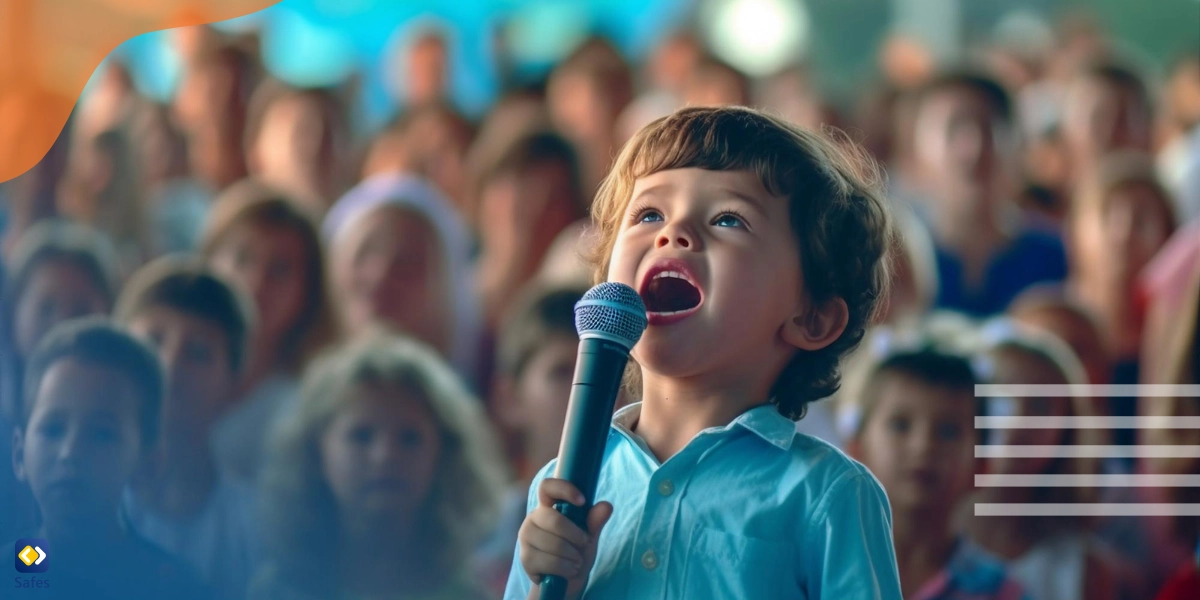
<point>670,291</point>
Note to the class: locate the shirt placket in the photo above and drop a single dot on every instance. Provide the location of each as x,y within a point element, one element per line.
<point>658,551</point>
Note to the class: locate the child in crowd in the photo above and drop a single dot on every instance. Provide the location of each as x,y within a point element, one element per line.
<point>759,251</point>
<point>965,149</point>
<point>90,422</point>
<point>269,246</point>
<point>199,326</point>
<point>1120,218</point>
<point>430,141</point>
<point>60,270</point>
<point>910,408</point>
<point>400,257</point>
<point>1050,310</point>
<point>380,484</point>
<point>1053,557</point>
<point>535,367</point>
<point>586,94</point>
<point>1106,108</point>
<point>211,109</point>
<point>716,83</point>
<point>175,203</point>
<point>103,189</point>
<point>300,142</point>
<point>525,200</point>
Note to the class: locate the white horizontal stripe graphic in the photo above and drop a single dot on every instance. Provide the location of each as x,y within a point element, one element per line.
<point>1087,480</point>
<point>1143,390</point>
<point>1087,451</point>
<point>1087,510</point>
<point>1090,422</point>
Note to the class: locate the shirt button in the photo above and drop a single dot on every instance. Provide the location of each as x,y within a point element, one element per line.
<point>666,488</point>
<point>650,560</point>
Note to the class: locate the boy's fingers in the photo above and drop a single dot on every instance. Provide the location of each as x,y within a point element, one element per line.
<point>541,565</point>
<point>554,490</point>
<point>546,543</point>
<point>554,522</point>
<point>597,518</point>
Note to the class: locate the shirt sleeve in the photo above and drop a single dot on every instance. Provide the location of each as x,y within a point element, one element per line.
<point>850,553</point>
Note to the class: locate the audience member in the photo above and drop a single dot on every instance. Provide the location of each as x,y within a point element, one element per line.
<point>382,481</point>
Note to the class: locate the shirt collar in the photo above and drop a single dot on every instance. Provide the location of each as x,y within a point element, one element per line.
<point>763,421</point>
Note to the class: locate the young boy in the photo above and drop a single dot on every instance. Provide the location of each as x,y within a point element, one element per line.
<point>914,428</point>
<point>91,420</point>
<point>757,248</point>
<point>199,327</point>
<point>965,151</point>
<point>535,366</point>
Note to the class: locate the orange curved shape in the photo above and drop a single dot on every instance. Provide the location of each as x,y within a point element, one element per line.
<point>50,48</point>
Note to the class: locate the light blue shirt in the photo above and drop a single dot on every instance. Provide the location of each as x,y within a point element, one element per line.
<point>753,510</point>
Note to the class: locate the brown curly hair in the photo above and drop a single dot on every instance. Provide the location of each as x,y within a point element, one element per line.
<point>837,207</point>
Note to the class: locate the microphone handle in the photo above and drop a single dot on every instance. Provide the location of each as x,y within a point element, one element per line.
<point>599,370</point>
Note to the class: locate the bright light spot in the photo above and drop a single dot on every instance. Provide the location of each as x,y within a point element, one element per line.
<point>758,37</point>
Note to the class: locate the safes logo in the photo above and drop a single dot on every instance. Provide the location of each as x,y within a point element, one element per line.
<point>32,556</point>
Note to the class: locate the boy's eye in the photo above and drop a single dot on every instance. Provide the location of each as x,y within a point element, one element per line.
<point>410,438</point>
<point>649,216</point>
<point>728,220</point>
<point>948,432</point>
<point>898,425</point>
<point>360,435</point>
<point>52,430</point>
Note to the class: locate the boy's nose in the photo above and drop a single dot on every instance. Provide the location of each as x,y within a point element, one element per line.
<point>677,237</point>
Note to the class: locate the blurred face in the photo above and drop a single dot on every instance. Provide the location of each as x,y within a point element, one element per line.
<point>1113,243</point>
<point>389,268</point>
<point>542,391</point>
<point>269,263</point>
<point>1083,338</point>
<point>57,291</point>
<point>298,148</point>
<point>444,144</point>
<point>1100,117</point>
<point>520,215</point>
<point>82,444</point>
<point>200,377</point>
<point>716,87</point>
<point>581,108</point>
<point>427,68</point>
<point>961,145</point>
<point>379,456</point>
<point>1020,368</point>
<point>700,246</point>
<point>919,441</point>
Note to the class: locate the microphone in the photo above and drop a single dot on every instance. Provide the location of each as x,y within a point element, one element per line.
<point>610,319</point>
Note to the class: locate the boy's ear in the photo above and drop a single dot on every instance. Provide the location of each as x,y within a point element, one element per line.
<point>815,327</point>
<point>18,454</point>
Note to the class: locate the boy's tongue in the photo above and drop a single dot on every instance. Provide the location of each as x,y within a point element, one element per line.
<point>670,294</point>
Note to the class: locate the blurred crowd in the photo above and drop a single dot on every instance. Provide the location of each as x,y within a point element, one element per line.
<point>361,344</point>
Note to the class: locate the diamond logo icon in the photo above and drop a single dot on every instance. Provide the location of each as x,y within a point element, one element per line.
<point>31,556</point>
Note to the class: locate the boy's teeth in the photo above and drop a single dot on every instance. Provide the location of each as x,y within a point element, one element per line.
<point>675,274</point>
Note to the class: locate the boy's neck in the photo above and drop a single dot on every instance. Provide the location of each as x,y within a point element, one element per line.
<point>925,542</point>
<point>383,563</point>
<point>182,485</point>
<point>674,411</point>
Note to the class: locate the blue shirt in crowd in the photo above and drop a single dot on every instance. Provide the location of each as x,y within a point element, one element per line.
<point>1031,258</point>
<point>750,510</point>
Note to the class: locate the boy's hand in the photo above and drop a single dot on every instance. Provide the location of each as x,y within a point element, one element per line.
<point>552,545</point>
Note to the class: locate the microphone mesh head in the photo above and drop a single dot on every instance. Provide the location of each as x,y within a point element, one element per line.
<point>612,311</point>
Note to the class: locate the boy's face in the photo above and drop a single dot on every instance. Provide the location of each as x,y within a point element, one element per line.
<point>542,391</point>
<point>57,291</point>
<point>82,444</point>
<point>713,255</point>
<point>960,143</point>
<point>1100,117</point>
<point>389,268</point>
<point>1116,240</point>
<point>297,147</point>
<point>1021,368</point>
<point>521,214</point>
<point>268,262</point>
<point>379,455</point>
<point>195,354</point>
<point>919,441</point>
